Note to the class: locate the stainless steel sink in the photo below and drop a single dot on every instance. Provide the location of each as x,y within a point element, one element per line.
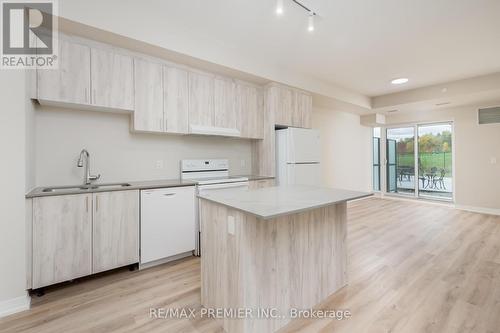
<point>80,188</point>
<point>96,186</point>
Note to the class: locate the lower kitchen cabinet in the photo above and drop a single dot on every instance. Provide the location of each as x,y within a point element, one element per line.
<point>261,183</point>
<point>115,230</point>
<point>62,238</point>
<point>78,235</point>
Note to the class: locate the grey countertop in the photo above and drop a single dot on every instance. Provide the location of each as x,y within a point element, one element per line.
<point>271,202</point>
<point>135,185</point>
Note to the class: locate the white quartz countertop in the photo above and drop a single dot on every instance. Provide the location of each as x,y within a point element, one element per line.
<point>271,202</point>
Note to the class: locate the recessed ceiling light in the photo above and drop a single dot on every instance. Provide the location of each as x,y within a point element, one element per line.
<point>401,80</point>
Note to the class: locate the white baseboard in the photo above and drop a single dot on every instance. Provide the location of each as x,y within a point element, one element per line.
<point>418,200</point>
<point>14,305</point>
<point>482,210</point>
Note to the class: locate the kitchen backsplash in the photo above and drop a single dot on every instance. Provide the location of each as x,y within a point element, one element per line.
<point>116,153</point>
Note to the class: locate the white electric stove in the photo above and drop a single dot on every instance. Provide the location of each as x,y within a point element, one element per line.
<point>212,174</point>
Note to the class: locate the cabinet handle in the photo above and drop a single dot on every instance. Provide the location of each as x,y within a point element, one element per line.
<point>96,203</point>
<point>169,194</point>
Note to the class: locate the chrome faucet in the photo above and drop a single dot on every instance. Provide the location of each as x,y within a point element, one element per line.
<point>87,177</point>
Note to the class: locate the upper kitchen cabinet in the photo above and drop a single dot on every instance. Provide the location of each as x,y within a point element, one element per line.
<point>250,110</point>
<point>304,108</point>
<point>148,115</point>
<point>283,103</point>
<point>291,107</point>
<point>70,83</point>
<point>112,79</point>
<point>175,88</point>
<point>212,105</point>
<point>201,102</point>
<point>224,104</point>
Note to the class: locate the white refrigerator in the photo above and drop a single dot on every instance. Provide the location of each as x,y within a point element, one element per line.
<point>298,153</point>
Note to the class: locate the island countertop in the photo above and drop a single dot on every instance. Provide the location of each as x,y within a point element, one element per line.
<point>271,202</point>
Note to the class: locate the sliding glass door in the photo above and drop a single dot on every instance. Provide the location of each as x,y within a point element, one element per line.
<point>376,159</point>
<point>419,161</point>
<point>401,160</point>
<point>435,161</point>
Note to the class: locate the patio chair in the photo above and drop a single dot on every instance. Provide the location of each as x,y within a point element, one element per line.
<point>440,181</point>
<point>422,177</point>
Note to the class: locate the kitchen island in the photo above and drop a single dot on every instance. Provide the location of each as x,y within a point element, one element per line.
<point>268,251</point>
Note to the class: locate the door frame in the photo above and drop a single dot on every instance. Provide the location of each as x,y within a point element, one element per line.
<point>404,195</point>
<point>417,190</point>
<point>415,125</point>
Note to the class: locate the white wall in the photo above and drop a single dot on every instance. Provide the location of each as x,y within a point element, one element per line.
<point>346,146</point>
<point>477,180</point>
<point>12,209</point>
<point>116,153</point>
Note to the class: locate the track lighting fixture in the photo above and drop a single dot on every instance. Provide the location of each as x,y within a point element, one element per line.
<point>311,13</point>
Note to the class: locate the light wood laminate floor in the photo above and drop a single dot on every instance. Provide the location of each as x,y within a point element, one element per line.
<point>413,267</point>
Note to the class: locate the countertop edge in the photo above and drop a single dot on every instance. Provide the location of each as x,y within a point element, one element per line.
<point>291,212</point>
<point>135,185</point>
<point>36,192</point>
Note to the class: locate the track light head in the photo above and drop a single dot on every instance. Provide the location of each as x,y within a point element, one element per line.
<point>310,26</point>
<point>279,7</point>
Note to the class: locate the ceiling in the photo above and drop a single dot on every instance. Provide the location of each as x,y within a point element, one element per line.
<point>359,45</point>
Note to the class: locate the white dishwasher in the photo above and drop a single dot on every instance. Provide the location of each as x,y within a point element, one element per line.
<point>168,224</point>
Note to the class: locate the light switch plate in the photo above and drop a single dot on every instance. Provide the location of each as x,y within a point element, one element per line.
<point>230,225</point>
<point>493,160</point>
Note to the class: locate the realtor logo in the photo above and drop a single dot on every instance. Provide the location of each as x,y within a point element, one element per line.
<point>29,34</point>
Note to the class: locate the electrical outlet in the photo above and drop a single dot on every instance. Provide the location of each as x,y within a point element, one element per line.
<point>230,225</point>
<point>243,163</point>
<point>159,164</point>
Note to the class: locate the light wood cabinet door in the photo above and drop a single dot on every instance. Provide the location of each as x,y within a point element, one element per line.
<point>148,111</point>
<point>250,110</point>
<point>285,105</point>
<point>201,100</point>
<point>112,80</point>
<point>115,229</point>
<point>62,238</point>
<point>261,183</point>
<point>70,83</point>
<point>175,87</point>
<point>304,108</point>
<point>224,103</point>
